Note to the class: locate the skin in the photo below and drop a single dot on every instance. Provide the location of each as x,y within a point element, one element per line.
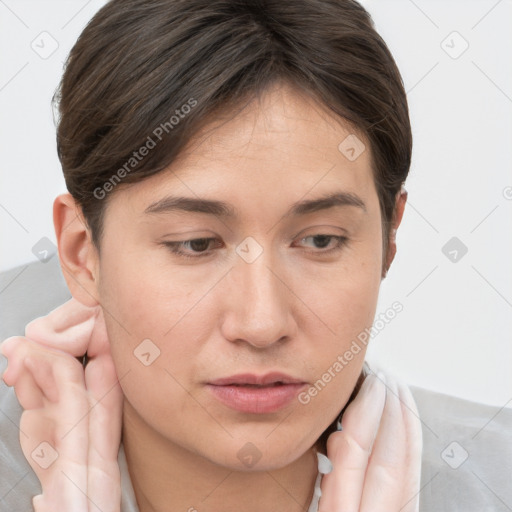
<point>294,310</point>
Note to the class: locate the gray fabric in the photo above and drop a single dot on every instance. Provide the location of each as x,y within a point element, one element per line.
<point>30,291</point>
<point>453,429</point>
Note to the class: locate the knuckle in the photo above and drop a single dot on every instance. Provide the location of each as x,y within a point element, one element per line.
<point>341,445</point>
<point>71,369</point>
<point>11,345</point>
<point>40,503</point>
<point>34,328</point>
<point>389,476</point>
<point>29,331</point>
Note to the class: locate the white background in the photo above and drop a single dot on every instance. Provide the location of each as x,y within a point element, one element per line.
<point>454,333</point>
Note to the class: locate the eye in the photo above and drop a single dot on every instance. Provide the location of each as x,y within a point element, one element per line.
<point>203,247</point>
<point>197,247</point>
<point>321,241</point>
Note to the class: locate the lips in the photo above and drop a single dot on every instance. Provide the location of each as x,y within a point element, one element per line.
<point>256,394</point>
<point>257,380</point>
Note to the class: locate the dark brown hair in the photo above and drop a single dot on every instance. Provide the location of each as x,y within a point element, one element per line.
<point>168,66</point>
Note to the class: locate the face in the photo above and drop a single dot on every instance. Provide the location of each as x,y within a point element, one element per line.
<point>245,306</point>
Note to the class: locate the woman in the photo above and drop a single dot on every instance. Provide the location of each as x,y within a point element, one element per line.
<point>235,174</point>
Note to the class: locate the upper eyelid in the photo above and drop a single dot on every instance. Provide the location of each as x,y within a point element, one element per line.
<point>177,242</point>
<point>317,230</point>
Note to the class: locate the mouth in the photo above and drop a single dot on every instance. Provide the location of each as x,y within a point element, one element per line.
<point>256,394</point>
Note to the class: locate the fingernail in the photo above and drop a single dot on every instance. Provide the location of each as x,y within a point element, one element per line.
<point>339,428</point>
<point>324,464</point>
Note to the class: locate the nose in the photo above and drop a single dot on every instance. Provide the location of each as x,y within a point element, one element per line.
<point>258,305</point>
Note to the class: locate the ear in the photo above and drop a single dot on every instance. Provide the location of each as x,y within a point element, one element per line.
<point>78,256</point>
<point>401,199</point>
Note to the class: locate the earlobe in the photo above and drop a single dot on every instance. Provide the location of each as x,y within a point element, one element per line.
<point>77,254</point>
<point>401,199</point>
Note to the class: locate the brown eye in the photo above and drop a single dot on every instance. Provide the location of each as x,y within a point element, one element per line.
<point>193,248</point>
<point>321,241</point>
<point>200,244</point>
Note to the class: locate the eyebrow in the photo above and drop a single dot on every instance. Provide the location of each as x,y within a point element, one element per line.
<point>171,204</point>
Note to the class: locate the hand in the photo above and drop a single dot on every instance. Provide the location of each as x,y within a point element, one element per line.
<point>78,414</point>
<point>376,457</point>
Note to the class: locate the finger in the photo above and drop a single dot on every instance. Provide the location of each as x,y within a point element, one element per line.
<point>104,481</point>
<point>59,378</point>
<point>72,409</point>
<point>71,428</point>
<point>8,349</point>
<point>349,449</point>
<point>414,438</point>
<point>106,396</point>
<point>66,315</point>
<point>66,328</point>
<point>47,461</point>
<point>29,373</point>
<point>386,468</point>
<point>54,438</point>
<point>99,343</point>
<point>40,366</point>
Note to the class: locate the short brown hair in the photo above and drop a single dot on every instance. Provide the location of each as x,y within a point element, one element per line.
<point>139,63</point>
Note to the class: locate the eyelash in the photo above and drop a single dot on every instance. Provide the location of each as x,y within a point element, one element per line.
<point>174,247</point>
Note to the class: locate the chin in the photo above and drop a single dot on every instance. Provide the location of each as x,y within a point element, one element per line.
<point>259,454</point>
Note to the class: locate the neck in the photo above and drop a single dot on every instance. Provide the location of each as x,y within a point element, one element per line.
<point>168,478</point>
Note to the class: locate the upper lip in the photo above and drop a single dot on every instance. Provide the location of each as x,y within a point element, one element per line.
<point>253,379</point>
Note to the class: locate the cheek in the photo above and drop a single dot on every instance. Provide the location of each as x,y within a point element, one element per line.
<point>156,324</point>
<point>147,299</point>
<point>342,297</point>
<point>344,303</point>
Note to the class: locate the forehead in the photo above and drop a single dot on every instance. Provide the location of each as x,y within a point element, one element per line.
<point>281,146</point>
<point>286,124</point>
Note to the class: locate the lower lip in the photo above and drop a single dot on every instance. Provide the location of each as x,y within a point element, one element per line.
<point>256,400</point>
